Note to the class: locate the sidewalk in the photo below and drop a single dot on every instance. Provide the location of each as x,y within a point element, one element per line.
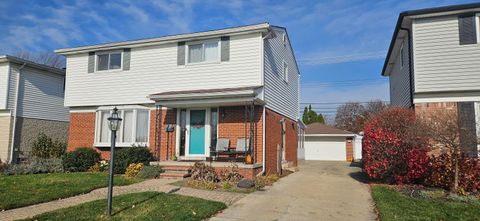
<point>158,185</point>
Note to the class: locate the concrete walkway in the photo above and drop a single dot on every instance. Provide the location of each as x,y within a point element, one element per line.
<point>158,185</point>
<point>319,191</point>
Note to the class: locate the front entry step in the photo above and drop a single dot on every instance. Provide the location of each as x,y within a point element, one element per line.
<point>176,172</point>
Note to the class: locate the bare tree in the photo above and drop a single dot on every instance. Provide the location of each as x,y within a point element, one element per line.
<point>46,58</point>
<point>352,115</point>
<point>444,130</point>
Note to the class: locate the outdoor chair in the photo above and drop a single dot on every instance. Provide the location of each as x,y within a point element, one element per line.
<point>243,145</point>
<point>222,147</point>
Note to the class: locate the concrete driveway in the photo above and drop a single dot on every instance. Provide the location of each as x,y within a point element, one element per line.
<point>321,190</point>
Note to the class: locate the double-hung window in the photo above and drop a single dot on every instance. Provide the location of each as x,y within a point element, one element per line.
<point>134,127</point>
<point>109,61</point>
<point>203,52</point>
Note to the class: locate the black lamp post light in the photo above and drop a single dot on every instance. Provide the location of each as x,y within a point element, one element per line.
<point>114,124</point>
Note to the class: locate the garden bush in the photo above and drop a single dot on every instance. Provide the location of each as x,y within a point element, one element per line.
<point>129,155</point>
<point>149,172</point>
<point>35,166</point>
<point>204,172</point>
<point>395,147</point>
<point>44,147</point>
<point>442,172</point>
<point>133,169</point>
<point>81,159</point>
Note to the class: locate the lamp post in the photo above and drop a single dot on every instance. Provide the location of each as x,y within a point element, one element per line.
<point>114,125</point>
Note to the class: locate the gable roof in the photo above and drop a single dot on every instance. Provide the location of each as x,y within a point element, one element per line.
<point>21,61</point>
<point>167,39</point>
<point>419,12</point>
<point>318,128</point>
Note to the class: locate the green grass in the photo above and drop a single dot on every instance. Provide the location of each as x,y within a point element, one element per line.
<point>140,206</point>
<point>23,190</point>
<point>392,205</point>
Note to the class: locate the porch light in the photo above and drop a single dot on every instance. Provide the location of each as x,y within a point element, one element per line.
<point>114,120</point>
<point>114,125</point>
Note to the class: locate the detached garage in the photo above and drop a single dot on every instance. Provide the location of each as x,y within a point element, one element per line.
<point>324,142</point>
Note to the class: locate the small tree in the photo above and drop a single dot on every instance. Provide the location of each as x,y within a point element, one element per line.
<point>310,116</point>
<point>449,165</point>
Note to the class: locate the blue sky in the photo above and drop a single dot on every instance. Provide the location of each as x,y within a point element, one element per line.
<point>340,45</point>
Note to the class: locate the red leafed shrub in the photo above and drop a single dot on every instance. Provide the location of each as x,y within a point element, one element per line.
<point>395,147</point>
<point>442,172</point>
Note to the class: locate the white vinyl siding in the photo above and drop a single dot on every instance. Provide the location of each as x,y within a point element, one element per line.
<point>280,96</point>
<point>4,76</point>
<point>154,69</point>
<point>400,79</point>
<point>441,63</point>
<point>133,131</point>
<point>41,95</point>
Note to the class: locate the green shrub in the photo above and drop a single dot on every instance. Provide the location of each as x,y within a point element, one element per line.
<point>44,147</point>
<point>81,159</point>
<point>36,165</point>
<point>129,155</point>
<point>150,172</point>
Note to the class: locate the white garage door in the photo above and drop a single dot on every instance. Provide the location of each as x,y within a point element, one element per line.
<point>325,148</point>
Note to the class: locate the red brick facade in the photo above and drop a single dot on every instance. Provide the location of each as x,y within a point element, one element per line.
<point>82,130</point>
<point>231,125</point>
<point>166,139</point>
<point>273,134</point>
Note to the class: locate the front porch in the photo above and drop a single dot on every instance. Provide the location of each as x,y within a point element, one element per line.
<point>218,126</point>
<point>178,169</point>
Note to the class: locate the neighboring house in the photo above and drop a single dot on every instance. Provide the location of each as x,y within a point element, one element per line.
<point>31,102</point>
<point>233,83</point>
<point>433,64</point>
<point>323,142</point>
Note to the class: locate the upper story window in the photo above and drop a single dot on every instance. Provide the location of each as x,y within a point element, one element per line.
<point>134,127</point>
<point>402,56</point>
<point>285,71</point>
<point>109,61</point>
<point>203,52</point>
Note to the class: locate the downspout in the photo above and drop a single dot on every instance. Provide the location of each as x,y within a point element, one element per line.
<point>410,66</point>
<point>15,112</point>
<point>264,159</point>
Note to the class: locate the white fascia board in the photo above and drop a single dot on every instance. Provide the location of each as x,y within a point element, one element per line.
<point>167,39</point>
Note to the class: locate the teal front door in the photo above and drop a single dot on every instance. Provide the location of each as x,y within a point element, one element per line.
<point>197,132</point>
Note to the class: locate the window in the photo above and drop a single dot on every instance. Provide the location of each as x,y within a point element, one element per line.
<point>402,57</point>
<point>203,52</point>
<point>134,128</point>
<point>109,61</point>
<point>285,71</point>
<point>213,127</point>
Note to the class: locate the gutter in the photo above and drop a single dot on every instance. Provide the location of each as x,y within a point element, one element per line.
<point>15,112</point>
<point>410,65</point>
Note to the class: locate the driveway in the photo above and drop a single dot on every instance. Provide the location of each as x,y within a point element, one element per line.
<point>321,190</point>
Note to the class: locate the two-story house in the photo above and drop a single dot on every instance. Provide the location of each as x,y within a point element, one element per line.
<point>222,94</point>
<point>433,64</point>
<point>31,102</point>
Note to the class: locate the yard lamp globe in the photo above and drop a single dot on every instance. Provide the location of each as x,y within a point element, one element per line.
<point>114,124</point>
<point>114,120</point>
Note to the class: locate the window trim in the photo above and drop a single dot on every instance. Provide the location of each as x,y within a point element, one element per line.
<point>97,54</point>
<point>203,42</point>
<point>120,143</point>
<point>285,71</point>
<point>477,26</point>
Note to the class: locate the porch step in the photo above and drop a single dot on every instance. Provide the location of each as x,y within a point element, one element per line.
<point>175,172</point>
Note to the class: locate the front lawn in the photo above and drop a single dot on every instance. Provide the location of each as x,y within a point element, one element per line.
<point>393,205</point>
<point>140,206</point>
<point>23,190</point>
